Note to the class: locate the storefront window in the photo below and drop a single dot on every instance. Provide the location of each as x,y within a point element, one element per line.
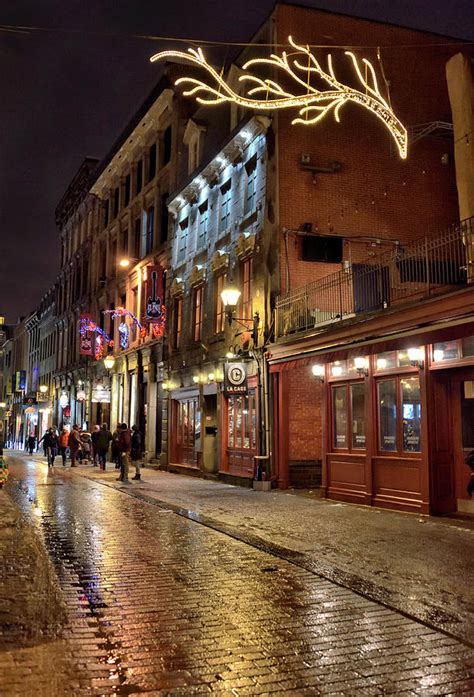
<point>242,422</point>
<point>468,346</point>
<point>399,418</point>
<point>392,359</point>
<point>342,369</point>
<point>340,416</point>
<point>358,415</point>
<point>411,415</point>
<point>387,398</point>
<point>445,351</point>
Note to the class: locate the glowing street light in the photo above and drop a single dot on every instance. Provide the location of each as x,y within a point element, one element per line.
<point>109,362</point>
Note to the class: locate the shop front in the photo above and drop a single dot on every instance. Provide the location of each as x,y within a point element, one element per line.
<point>392,427</point>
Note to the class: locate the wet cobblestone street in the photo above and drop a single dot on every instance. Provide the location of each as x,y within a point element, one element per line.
<point>160,604</point>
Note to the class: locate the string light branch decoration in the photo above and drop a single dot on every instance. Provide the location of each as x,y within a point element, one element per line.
<point>301,65</point>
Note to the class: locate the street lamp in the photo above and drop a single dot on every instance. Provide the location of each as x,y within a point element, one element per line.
<point>3,405</point>
<point>43,389</point>
<point>109,361</point>
<point>125,262</point>
<point>230,299</point>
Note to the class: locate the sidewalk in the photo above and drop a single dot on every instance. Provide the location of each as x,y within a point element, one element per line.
<point>419,565</point>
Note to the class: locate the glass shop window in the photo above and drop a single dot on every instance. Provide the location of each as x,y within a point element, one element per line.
<point>242,422</point>
<point>445,351</point>
<point>341,369</point>
<point>348,416</point>
<point>399,415</point>
<point>393,359</point>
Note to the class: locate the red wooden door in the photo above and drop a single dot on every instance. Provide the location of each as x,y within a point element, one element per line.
<point>442,446</point>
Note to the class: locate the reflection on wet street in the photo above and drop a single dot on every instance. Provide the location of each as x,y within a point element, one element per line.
<point>160,603</point>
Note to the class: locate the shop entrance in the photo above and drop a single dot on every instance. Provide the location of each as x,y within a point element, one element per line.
<point>451,437</point>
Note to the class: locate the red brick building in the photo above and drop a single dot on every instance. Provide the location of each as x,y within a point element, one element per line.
<point>353,256</point>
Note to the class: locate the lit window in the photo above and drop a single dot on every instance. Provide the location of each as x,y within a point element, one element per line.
<point>220,311</point>
<point>399,415</point>
<point>242,422</point>
<point>198,313</point>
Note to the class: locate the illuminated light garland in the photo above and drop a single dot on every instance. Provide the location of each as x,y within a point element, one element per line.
<point>158,326</point>
<point>102,340</point>
<point>124,331</point>
<point>314,105</point>
<point>123,335</point>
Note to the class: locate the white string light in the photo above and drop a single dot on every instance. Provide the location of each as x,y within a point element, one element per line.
<point>314,105</point>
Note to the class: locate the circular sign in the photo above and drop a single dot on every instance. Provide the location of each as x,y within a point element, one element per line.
<point>236,374</point>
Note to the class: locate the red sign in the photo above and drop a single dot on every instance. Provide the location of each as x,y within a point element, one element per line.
<point>86,340</point>
<point>154,300</point>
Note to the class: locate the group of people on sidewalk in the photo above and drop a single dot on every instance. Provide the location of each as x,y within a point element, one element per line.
<point>125,445</point>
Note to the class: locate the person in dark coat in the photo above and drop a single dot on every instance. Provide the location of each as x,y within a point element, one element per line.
<point>95,449</point>
<point>103,442</point>
<point>125,446</point>
<point>50,445</point>
<point>116,447</point>
<point>74,444</point>
<point>137,451</point>
<point>31,443</point>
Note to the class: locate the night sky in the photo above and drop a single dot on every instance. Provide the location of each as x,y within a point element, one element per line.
<point>68,93</point>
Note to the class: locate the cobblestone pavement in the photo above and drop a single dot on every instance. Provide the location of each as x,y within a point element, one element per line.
<point>420,565</point>
<point>160,604</point>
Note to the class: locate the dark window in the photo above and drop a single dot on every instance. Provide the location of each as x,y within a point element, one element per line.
<point>325,249</point>
<point>166,146</point>
<point>124,241</point>
<point>250,201</point>
<point>150,223</point>
<point>139,179</point>
<point>177,321</point>
<point>152,162</point>
<point>203,224</point>
<point>116,201</point>
<point>183,236</point>
<point>224,206</point>
<point>127,190</point>
<point>164,217</point>
<point>106,213</point>
<point>136,238</point>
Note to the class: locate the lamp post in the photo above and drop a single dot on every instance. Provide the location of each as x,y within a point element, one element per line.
<point>125,262</point>
<point>230,298</point>
<point>43,389</point>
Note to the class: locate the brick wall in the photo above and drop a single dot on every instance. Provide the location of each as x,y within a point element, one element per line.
<point>375,193</point>
<point>304,410</point>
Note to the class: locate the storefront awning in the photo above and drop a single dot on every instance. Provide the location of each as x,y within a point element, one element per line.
<point>297,357</point>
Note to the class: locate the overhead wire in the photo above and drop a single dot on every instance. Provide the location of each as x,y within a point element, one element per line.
<point>31,29</point>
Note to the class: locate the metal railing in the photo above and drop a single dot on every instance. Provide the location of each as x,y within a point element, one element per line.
<point>419,269</point>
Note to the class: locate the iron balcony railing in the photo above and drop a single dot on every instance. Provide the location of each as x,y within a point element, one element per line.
<point>419,269</point>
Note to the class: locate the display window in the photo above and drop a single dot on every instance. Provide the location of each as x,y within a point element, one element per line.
<point>454,350</point>
<point>348,416</point>
<point>399,415</point>
<point>242,422</point>
<point>188,429</point>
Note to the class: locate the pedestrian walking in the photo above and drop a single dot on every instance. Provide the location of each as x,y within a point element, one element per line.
<point>85,452</point>
<point>136,452</point>
<point>125,446</point>
<point>50,446</point>
<point>103,442</point>
<point>94,445</point>
<point>63,444</point>
<point>74,444</point>
<point>116,447</point>
<point>470,463</point>
<point>31,443</point>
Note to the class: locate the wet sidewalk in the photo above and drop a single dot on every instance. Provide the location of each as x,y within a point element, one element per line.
<point>421,566</point>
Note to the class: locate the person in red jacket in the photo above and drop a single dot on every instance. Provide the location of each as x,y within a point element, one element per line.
<point>63,444</point>
<point>125,444</point>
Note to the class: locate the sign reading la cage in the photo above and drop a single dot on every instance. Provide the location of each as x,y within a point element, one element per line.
<point>235,379</point>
